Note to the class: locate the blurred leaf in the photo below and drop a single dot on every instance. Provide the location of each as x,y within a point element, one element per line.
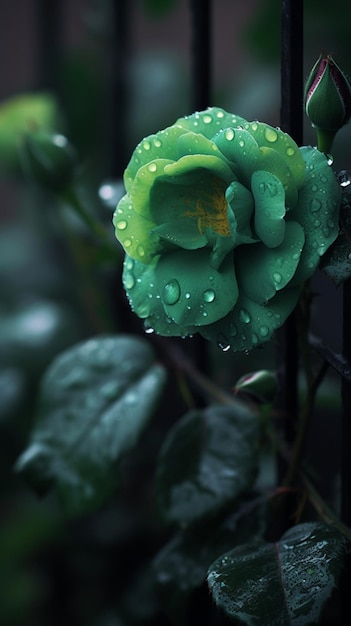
<point>288,582</point>
<point>30,336</point>
<point>94,402</point>
<point>182,564</point>
<point>208,459</point>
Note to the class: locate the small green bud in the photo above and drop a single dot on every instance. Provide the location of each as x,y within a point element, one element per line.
<point>327,100</point>
<point>48,159</point>
<point>261,386</point>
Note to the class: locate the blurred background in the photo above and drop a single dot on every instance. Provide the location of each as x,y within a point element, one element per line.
<point>107,73</point>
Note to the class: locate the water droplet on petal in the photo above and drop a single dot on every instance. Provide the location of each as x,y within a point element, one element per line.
<point>187,295</point>
<point>229,134</point>
<point>245,316</point>
<point>315,205</point>
<point>207,119</point>
<point>264,331</point>
<point>148,329</point>
<point>141,250</point>
<point>152,167</point>
<point>129,281</point>
<point>330,158</point>
<point>290,151</point>
<point>146,145</point>
<point>271,135</point>
<point>277,277</point>
<point>254,126</point>
<point>220,114</point>
<point>171,292</point>
<point>122,224</point>
<point>157,143</point>
<point>208,295</point>
<point>127,243</point>
<point>241,143</point>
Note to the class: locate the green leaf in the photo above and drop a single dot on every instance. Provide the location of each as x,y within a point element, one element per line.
<point>208,459</point>
<point>181,566</point>
<point>158,8</point>
<point>288,582</point>
<point>336,263</point>
<point>94,401</point>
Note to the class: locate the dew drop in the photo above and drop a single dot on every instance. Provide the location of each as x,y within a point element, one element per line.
<point>146,145</point>
<point>140,250</point>
<point>315,205</point>
<point>148,329</point>
<point>271,135</point>
<point>129,281</point>
<point>129,263</point>
<point>295,256</point>
<point>223,343</point>
<point>208,295</point>
<point>264,331</point>
<point>207,119</point>
<point>171,292</point>
<point>344,178</point>
<point>245,316</point>
<point>204,314</point>
<point>254,126</point>
<point>314,188</point>
<point>187,295</point>
<point>229,134</point>
<point>241,143</point>
<point>290,151</point>
<point>277,277</point>
<point>122,224</point>
<point>254,339</point>
<point>220,114</point>
<point>157,143</point>
<point>127,243</point>
<point>330,158</point>
<point>152,167</point>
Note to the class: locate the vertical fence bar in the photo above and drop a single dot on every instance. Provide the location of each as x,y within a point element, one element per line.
<point>201,71</point>
<point>118,95</point>
<point>49,21</point>
<point>291,121</point>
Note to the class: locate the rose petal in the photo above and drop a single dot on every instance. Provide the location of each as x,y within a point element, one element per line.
<point>191,290</point>
<point>262,271</point>
<point>210,121</point>
<point>317,211</point>
<point>269,196</point>
<point>250,324</point>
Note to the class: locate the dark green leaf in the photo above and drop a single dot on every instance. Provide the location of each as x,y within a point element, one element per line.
<point>288,582</point>
<point>336,263</point>
<point>182,564</point>
<point>208,459</point>
<point>95,400</point>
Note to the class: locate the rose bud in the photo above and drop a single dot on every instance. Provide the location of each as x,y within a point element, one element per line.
<point>327,100</point>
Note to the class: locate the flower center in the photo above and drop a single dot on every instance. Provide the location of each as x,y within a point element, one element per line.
<point>211,209</point>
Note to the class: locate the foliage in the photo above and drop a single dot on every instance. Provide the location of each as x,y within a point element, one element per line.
<point>176,485</point>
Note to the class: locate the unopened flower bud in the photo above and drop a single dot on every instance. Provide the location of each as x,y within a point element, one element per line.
<point>48,159</point>
<point>327,100</point>
<point>261,386</point>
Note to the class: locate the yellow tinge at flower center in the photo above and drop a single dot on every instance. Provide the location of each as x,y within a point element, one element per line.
<point>211,210</point>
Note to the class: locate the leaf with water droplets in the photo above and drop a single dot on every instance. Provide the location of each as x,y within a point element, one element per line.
<point>218,452</point>
<point>289,582</point>
<point>94,402</point>
<point>181,566</point>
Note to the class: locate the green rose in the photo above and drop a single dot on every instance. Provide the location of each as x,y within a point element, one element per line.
<point>222,222</point>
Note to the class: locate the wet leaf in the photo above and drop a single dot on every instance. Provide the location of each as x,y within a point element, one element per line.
<point>288,582</point>
<point>181,566</point>
<point>95,400</point>
<point>208,459</point>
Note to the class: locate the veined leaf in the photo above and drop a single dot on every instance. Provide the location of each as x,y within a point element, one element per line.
<point>208,459</point>
<point>288,582</point>
<point>95,400</point>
